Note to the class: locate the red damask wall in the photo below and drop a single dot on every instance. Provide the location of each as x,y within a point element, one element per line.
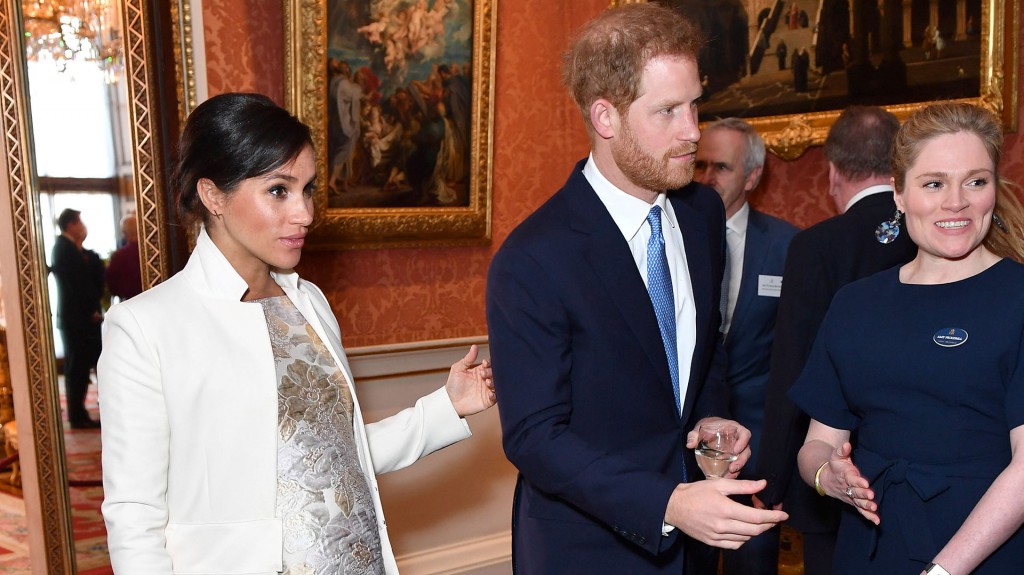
<point>404,295</point>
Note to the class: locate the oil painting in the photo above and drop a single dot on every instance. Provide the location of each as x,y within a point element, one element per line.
<point>400,94</point>
<point>790,66</point>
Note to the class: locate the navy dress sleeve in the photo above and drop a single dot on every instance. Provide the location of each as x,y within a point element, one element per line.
<point>1015,388</point>
<point>818,391</point>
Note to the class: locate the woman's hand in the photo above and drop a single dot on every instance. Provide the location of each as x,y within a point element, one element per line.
<point>841,479</point>
<point>838,476</point>
<point>470,387</point>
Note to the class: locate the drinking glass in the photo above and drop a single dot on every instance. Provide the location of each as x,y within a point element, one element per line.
<point>716,448</point>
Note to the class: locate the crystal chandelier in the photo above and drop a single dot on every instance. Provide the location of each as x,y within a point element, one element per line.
<point>74,30</point>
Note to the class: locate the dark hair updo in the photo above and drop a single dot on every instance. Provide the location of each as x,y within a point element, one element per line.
<point>230,138</point>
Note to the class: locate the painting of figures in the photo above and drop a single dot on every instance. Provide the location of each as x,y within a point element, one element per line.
<point>399,95</point>
<point>775,57</point>
<point>399,103</point>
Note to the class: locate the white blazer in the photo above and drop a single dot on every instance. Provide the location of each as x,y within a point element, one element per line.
<point>189,410</point>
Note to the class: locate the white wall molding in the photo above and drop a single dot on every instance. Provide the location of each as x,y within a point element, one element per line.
<point>469,556</point>
<point>395,360</point>
<point>450,513</point>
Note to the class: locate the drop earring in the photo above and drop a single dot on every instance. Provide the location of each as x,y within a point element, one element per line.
<point>999,222</point>
<point>888,231</point>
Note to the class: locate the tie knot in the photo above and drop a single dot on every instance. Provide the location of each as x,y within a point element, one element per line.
<point>654,220</point>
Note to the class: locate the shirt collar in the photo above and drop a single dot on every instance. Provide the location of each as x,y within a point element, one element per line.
<point>738,221</point>
<point>868,191</point>
<point>209,266</point>
<point>628,212</point>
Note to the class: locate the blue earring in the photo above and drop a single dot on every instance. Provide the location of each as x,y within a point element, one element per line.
<point>887,232</point>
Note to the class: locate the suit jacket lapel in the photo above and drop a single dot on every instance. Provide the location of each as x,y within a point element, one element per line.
<point>755,250</point>
<point>698,262</point>
<point>609,256</point>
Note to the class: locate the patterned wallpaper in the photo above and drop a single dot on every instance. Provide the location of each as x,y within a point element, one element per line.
<point>244,50</point>
<point>404,295</point>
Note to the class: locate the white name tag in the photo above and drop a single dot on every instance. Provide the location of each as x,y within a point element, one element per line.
<point>769,286</point>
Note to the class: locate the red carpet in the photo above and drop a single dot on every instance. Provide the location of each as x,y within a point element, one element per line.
<point>82,447</point>
<point>13,536</point>
<point>90,536</point>
<point>86,494</point>
<point>85,476</point>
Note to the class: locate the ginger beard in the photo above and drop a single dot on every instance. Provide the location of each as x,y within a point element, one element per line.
<point>647,171</point>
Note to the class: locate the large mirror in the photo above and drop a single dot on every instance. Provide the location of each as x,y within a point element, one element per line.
<point>155,91</point>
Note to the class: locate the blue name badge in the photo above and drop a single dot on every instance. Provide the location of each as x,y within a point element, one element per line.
<point>950,337</point>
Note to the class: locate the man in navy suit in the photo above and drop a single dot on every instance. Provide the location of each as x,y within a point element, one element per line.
<point>822,259</point>
<point>730,159</point>
<point>602,308</point>
<point>79,275</point>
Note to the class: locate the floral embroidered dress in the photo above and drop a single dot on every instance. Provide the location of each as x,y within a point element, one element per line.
<point>322,497</point>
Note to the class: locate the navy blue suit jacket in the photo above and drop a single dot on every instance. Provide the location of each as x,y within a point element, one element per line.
<point>586,404</point>
<point>749,342</point>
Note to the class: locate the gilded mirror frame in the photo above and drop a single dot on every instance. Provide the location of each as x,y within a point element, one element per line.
<point>45,483</point>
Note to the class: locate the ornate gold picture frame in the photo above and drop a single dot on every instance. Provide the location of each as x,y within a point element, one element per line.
<point>975,60</point>
<point>417,167</point>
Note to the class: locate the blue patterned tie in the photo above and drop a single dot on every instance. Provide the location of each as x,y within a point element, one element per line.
<point>659,286</point>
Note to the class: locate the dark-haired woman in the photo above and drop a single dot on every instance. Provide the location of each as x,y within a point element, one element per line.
<point>232,438</point>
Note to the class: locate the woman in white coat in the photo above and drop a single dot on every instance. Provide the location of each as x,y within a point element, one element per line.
<point>232,438</point>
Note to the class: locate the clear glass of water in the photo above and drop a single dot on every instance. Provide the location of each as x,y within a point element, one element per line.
<point>716,448</point>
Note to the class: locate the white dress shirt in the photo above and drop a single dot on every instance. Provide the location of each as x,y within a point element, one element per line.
<point>630,215</point>
<point>870,190</point>
<point>736,240</point>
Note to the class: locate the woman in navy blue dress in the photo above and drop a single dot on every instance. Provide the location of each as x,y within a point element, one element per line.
<point>916,380</point>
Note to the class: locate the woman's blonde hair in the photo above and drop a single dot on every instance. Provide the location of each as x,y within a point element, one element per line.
<point>1005,237</point>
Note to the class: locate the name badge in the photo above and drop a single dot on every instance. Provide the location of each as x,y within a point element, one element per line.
<point>950,337</point>
<point>769,286</point>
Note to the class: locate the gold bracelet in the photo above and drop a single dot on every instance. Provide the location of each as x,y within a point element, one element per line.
<point>817,479</point>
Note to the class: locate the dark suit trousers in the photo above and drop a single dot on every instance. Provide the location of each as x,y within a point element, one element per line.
<point>81,352</point>
<point>818,551</point>
<point>758,556</point>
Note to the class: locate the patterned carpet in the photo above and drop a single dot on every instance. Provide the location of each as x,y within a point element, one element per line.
<point>13,536</point>
<point>86,494</point>
<point>90,534</point>
<point>82,447</point>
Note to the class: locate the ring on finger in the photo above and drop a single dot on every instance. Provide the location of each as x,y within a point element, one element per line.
<point>849,492</point>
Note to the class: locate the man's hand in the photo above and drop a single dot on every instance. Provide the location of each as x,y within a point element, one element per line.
<point>742,447</point>
<point>704,511</point>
